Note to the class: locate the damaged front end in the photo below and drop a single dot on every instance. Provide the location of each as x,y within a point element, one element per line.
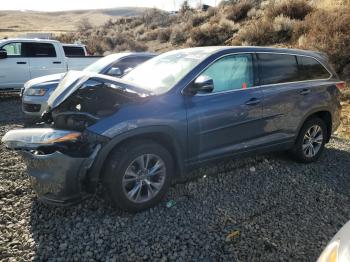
<point>57,161</point>
<point>59,154</point>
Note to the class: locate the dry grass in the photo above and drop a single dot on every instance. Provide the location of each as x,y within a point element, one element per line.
<point>329,32</point>
<point>331,4</point>
<point>14,23</point>
<point>239,11</point>
<point>296,9</point>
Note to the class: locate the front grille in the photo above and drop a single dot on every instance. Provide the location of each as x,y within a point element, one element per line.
<point>31,107</point>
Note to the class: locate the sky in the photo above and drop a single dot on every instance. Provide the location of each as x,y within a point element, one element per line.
<point>60,5</point>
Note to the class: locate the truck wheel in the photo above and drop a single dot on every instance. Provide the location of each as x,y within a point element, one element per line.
<point>311,140</point>
<point>137,175</point>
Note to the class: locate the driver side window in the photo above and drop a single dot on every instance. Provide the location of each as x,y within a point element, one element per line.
<point>13,49</point>
<point>231,73</point>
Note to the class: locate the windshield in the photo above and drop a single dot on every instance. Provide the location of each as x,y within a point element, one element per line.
<point>102,63</point>
<point>161,73</point>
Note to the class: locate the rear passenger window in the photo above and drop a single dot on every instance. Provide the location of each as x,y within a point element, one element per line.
<point>39,50</point>
<point>71,51</point>
<point>231,73</point>
<point>278,68</point>
<point>311,69</point>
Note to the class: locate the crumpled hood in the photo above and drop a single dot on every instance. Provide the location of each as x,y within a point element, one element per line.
<point>43,79</point>
<point>73,80</point>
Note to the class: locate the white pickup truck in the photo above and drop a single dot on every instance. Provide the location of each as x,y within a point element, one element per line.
<point>24,59</point>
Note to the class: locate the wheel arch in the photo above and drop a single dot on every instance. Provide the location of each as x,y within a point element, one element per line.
<point>323,114</point>
<point>164,136</point>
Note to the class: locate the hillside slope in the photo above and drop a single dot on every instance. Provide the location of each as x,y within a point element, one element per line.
<point>13,23</point>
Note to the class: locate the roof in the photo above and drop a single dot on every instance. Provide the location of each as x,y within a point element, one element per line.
<point>29,40</point>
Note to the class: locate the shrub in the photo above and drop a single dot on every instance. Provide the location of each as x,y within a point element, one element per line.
<point>84,25</point>
<point>155,18</point>
<point>131,45</point>
<point>164,35</point>
<point>212,34</point>
<point>239,11</point>
<point>259,32</point>
<point>149,36</point>
<point>295,9</point>
<point>198,19</point>
<point>329,32</point>
<point>283,26</point>
<point>178,36</point>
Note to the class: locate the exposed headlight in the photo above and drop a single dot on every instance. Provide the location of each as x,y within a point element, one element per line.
<point>36,91</point>
<point>330,254</point>
<point>31,138</point>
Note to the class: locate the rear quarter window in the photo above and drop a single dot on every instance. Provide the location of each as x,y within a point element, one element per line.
<point>311,69</point>
<point>71,51</point>
<point>278,68</point>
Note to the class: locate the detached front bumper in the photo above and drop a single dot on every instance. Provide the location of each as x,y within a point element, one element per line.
<point>57,178</point>
<point>57,161</point>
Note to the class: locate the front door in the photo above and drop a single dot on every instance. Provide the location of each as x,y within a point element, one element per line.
<point>229,118</point>
<point>14,70</point>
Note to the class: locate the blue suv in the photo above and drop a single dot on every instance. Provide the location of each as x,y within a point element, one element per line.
<point>177,111</point>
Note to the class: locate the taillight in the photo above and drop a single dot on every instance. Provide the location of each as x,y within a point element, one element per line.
<point>340,85</point>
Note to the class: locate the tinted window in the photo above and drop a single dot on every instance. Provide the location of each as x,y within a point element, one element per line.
<point>311,69</point>
<point>13,49</point>
<point>231,72</point>
<point>276,68</point>
<point>73,51</point>
<point>39,50</point>
<point>130,62</point>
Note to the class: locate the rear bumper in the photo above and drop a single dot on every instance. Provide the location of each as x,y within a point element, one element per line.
<point>58,179</point>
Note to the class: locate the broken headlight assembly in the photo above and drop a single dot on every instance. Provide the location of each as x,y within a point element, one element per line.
<point>33,138</point>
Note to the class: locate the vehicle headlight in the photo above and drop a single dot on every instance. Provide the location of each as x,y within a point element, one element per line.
<point>36,91</point>
<point>32,138</point>
<point>330,254</point>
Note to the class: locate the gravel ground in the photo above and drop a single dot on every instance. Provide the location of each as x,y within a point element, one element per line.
<point>275,209</point>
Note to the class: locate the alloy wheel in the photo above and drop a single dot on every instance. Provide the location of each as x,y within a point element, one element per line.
<point>312,142</point>
<point>144,178</point>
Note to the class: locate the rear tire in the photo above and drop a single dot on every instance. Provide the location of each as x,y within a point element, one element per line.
<point>137,175</point>
<point>311,141</point>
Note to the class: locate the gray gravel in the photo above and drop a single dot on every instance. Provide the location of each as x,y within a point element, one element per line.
<point>280,209</point>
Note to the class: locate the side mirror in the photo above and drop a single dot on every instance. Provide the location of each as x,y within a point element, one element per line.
<point>3,54</point>
<point>115,71</point>
<point>203,84</point>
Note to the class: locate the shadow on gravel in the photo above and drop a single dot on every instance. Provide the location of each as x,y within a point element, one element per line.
<point>281,209</point>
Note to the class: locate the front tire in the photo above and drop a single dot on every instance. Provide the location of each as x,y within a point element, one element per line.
<point>138,174</point>
<point>311,141</point>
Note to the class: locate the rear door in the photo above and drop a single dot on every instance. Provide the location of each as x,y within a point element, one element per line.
<point>44,59</point>
<point>284,93</point>
<point>229,118</point>
<point>14,70</point>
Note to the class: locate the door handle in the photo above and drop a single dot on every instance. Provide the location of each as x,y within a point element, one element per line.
<point>252,102</point>
<point>21,63</point>
<point>57,62</point>
<point>305,92</point>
